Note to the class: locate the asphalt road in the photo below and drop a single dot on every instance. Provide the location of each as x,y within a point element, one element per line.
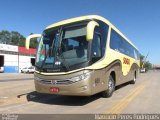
<point>18,96</point>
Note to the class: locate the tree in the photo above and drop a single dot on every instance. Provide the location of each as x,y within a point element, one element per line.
<point>145,64</point>
<point>148,65</point>
<point>12,38</point>
<point>15,38</point>
<point>141,61</point>
<point>5,37</point>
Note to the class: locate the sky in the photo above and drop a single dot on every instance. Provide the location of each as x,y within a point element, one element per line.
<point>138,20</point>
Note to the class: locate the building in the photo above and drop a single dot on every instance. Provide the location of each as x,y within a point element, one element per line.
<point>14,58</point>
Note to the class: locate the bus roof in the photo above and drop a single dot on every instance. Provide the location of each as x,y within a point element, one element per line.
<point>90,17</point>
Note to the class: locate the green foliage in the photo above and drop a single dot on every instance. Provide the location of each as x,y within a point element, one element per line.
<point>5,37</point>
<point>148,65</point>
<point>12,38</point>
<point>15,38</point>
<point>144,63</point>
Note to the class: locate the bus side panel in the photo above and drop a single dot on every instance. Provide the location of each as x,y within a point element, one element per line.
<point>130,76</point>
<point>98,81</point>
<point>100,78</point>
<point>134,70</point>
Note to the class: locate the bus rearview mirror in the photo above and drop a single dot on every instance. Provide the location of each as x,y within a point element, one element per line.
<point>90,30</point>
<point>27,42</point>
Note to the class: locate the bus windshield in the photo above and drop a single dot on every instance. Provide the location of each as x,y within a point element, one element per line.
<point>63,49</point>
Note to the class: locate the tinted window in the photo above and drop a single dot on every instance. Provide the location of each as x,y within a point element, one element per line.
<point>115,41</point>
<point>137,54</point>
<point>73,43</point>
<point>103,30</point>
<point>74,50</point>
<point>96,46</point>
<point>119,44</point>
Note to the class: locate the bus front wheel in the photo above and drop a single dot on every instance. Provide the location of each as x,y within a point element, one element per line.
<point>111,88</point>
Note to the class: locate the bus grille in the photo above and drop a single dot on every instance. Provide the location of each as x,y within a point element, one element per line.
<point>56,82</point>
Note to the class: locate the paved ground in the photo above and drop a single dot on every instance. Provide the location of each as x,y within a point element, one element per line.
<point>17,95</point>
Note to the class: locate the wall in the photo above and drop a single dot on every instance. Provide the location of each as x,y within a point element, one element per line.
<point>13,62</point>
<point>10,63</point>
<point>24,61</point>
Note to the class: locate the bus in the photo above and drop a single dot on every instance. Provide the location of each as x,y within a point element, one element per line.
<point>83,56</point>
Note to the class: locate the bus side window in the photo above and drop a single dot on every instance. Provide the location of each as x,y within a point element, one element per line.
<point>96,48</point>
<point>116,42</point>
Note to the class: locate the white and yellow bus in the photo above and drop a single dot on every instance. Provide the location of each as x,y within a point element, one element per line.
<point>83,56</point>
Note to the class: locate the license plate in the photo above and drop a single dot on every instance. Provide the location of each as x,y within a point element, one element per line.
<point>54,89</point>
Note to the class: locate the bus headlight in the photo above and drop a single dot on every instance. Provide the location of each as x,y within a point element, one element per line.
<point>81,77</point>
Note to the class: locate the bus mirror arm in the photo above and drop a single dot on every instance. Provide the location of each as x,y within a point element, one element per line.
<point>90,30</point>
<point>27,42</point>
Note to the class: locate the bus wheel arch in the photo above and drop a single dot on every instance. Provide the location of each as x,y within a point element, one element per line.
<point>111,85</point>
<point>113,74</point>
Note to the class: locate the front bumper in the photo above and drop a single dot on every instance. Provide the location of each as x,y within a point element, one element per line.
<point>79,88</point>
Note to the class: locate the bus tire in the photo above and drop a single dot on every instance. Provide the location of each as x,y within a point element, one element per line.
<point>134,79</point>
<point>111,87</point>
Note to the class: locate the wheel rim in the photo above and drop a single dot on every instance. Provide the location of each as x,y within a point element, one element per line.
<point>110,85</point>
